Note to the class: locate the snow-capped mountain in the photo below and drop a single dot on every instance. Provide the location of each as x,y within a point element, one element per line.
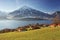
<point>57,13</point>
<point>27,12</point>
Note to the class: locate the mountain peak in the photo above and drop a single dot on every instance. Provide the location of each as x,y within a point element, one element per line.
<point>25,7</point>
<point>56,13</point>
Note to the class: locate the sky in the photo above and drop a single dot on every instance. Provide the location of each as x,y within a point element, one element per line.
<point>47,6</point>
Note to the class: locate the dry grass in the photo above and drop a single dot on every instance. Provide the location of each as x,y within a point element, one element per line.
<point>39,34</point>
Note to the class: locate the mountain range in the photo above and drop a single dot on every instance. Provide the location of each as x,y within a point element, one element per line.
<point>26,12</point>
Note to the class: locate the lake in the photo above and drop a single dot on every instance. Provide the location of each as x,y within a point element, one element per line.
<point>17,23</point>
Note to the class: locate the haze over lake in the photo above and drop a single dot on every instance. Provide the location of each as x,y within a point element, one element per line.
<point>17,23</point>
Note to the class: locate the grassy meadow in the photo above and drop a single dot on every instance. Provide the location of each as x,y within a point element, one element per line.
<point>46,33</point>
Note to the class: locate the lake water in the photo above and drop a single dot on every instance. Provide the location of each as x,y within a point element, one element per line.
<point>16,23</point>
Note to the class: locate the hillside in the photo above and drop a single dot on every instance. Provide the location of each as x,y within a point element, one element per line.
<point>39,34</point>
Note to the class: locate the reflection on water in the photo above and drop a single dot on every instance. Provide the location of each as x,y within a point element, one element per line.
<point>17,23</point>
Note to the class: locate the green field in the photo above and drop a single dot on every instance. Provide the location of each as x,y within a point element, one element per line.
<point>39,34</point>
